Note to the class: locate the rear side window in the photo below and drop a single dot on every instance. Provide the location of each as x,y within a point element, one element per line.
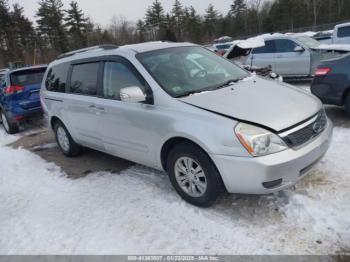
<point>84,79</point>
<point>285,46</point>
<point>344,32</point>
<point>27,77</point>
<point>57,78</point>
<point>269,48</point>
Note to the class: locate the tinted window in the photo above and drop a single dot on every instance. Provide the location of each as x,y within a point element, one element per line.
<point>267,49</point>
<point>285,46</point>
<point>84,79</point>
<point>57,78</point>
<point>2,81</point>
<point>118,76</point>
<point>27,77</point>
<point>344,31</point>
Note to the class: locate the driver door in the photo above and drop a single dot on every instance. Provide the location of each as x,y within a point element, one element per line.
<point>290,62</point>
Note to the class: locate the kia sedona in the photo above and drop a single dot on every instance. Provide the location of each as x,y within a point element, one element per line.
<point>180,108</point>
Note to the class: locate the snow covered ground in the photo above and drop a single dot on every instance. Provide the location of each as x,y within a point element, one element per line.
<point>137,212</point>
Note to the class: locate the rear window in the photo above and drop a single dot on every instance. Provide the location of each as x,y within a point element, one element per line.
<point>344,31</point>
<point>27,77</point>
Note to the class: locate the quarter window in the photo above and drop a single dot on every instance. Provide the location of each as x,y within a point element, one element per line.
<point>57,78</point>
<point>117,76</point>
<point>344,32</point>
<point>269,48</point>
<point>84,79</point>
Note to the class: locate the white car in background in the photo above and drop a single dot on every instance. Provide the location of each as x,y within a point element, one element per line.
<point>341,34</point>
<point>294,55</point>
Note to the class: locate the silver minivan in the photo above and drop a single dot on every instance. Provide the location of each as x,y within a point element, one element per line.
<point>180,108</point>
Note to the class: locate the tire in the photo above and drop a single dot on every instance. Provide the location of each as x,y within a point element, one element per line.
<point>347,104</point>
<point>9,126</point>
<point>192,188</point>
<point>65,141</point>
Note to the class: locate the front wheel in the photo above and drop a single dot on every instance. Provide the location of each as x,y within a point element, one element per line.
<point>193,175</point>
<point>10,128</point>
<point>65,141</point>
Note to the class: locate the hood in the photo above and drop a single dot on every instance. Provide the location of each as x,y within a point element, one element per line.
<point>277,106</point>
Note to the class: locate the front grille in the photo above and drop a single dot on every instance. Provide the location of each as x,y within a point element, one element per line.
<point>307,133</point>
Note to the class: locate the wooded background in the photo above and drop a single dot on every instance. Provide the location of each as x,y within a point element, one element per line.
<point>58,28</point>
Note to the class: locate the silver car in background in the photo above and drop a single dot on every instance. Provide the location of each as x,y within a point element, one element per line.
<point>181,108</point>
<point>294,55</point>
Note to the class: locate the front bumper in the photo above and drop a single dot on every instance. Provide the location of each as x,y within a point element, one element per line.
<point>244,175</point>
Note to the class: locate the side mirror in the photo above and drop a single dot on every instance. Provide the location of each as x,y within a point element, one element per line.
<point>299,49</point>
<point>132,94</point>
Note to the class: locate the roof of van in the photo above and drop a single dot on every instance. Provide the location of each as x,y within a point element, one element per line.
<point>115,50</point>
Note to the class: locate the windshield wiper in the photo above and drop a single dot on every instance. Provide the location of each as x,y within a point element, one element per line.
<point>190,93</point>
<point>227,83</point>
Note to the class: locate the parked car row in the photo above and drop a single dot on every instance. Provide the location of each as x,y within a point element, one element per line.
<point>287,55</point>
<point>178,107</point>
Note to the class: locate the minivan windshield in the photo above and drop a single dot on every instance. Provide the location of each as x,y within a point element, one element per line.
<point>308,41</point>
<point>182,71</point>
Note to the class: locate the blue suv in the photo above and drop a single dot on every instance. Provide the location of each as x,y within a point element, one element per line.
<point>19,95</point>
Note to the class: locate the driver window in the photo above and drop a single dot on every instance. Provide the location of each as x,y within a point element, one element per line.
<point>117,76</point>
<point>285,46</point>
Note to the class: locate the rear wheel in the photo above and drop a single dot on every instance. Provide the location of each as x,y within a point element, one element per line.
<point>347,104</point>
<point>65,141</point>
<point>9,126</point>
<point>193,175</point>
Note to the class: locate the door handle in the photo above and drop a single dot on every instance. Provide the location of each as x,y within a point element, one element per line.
<point>92,106</point>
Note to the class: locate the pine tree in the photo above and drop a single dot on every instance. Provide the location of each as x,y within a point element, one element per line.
<point>5,32</point>
<point>155,19</point>
<point>177,14</point>
<point>77,25</point>
<point>23,34</point>
<point>51,25</point>
<point>211,19</point>
<point>140,31</point>
<point>193,25</point>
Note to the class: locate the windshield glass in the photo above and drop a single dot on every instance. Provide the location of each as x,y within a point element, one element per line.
<point>185,70</point>
<point>308,41</point>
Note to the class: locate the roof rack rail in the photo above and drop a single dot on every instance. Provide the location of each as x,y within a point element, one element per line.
<point>104,47</point>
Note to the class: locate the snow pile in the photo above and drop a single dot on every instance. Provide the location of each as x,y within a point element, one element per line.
<point>5,138</point>
<point>137,211</point>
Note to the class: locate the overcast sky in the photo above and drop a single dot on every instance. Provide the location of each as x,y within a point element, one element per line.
<point>101,11</point>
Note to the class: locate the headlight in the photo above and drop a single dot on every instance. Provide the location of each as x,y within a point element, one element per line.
<point>258,141</point>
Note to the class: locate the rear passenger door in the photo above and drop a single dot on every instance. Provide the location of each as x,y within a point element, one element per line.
<point>264,56</point>
<point>289,62</point>
<point>80,104</point>
<point>125,128</point>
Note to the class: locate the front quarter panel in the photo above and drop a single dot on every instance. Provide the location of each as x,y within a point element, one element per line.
<point>212,132</point>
